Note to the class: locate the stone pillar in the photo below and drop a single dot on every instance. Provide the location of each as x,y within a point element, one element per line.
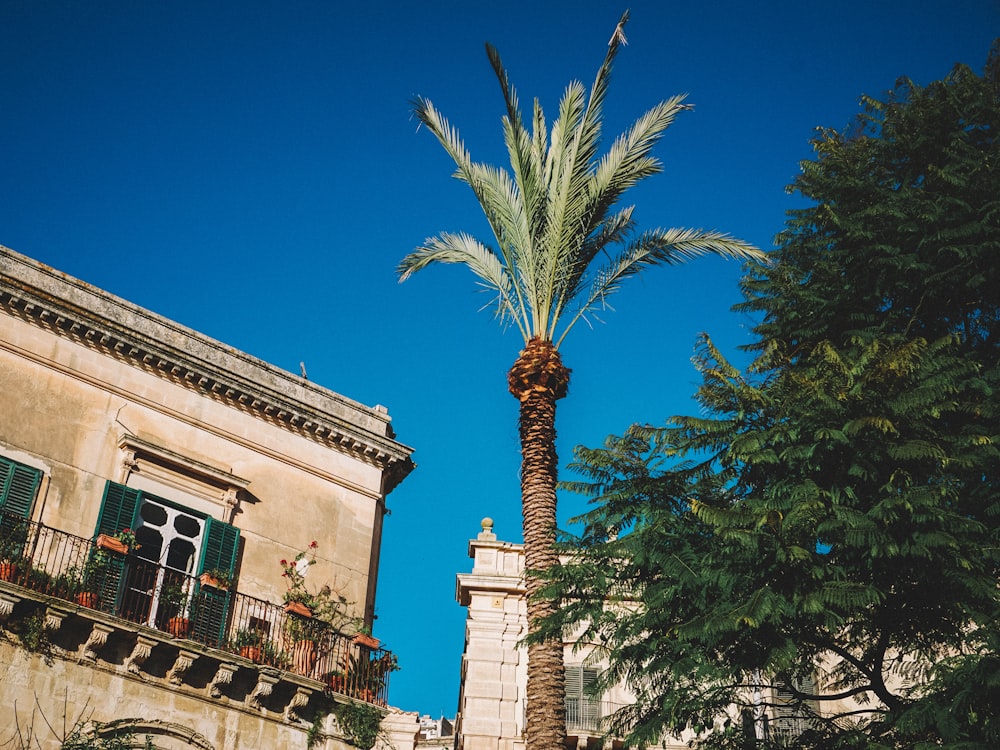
<point>399,731</point>
<point>494,668</point>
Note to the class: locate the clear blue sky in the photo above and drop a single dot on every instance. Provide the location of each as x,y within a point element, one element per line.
<point>252,171</point>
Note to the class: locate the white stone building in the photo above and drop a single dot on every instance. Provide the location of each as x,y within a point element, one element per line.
<point>494,665</point>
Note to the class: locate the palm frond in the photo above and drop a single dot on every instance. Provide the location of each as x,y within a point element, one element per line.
<point>661,247</point>
<point>480,259</point>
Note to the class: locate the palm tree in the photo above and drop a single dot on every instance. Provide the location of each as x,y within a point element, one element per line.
<point>563,245</point>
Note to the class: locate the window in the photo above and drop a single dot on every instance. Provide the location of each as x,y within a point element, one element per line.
<point>18,486</point>
<point>582,708</point>
<point>176,543</point>
<point>791,715</point>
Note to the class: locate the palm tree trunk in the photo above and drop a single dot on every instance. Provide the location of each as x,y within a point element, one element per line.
<point>538,379</point>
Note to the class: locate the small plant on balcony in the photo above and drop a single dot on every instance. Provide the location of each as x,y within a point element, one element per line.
<point>122,542</point>
<point>127,537</point>
<point>253,644</point>
<point>173,597</point>
<point>247,637</point>
<point>13,539</point>
<point>325,605</point>
<point>217,578</point>
<point>82,583</point>
<point>294,572</point>
<point>38,579</point>
<point>173,600</point>
<point>368,673</point>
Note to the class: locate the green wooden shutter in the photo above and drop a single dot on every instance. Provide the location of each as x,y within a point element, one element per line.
<point>18,485</point>
<point>119,510</point>
<point>218,550</point>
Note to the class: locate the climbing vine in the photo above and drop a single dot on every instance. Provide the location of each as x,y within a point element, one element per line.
<point>361,722</point>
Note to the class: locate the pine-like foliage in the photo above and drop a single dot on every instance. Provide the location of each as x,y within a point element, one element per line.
<point>835,511</point>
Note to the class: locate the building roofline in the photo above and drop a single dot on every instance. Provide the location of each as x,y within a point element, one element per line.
<point>99,320</point>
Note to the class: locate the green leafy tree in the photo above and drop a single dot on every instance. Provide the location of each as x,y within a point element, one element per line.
<point>814,561</point>
<point>563,245</point>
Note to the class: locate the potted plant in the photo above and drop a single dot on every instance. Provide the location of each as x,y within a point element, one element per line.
<point>297,597</point>
<point>335,681</point>
<point>13,539</point>
<point>217,578</point>
<point>367,673</point>
<point>38,579</point>
<point>365,638</point>
<point>89,577</point>
<point>173,600</point>
<point>251,644</point>
<point>121,542</point>
<point>325,605</point>
<point>309,614</point>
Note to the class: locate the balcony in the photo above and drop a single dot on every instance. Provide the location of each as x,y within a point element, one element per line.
<point>585,723</point>
<point>150,621</point>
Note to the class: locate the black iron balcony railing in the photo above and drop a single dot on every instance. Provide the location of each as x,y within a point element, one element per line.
<point>75,569</point>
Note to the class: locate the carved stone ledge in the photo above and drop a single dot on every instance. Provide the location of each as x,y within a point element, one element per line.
<point>54,618</point>
<point>7,604</point>
<point>99,633</point>
<point>299,700</point>
<point>182,664</point>
<point>223,676</point>
<point>265,684</point>
<point>140,652</point>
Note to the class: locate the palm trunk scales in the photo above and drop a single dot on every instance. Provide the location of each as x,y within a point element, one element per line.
<point>538,379</point>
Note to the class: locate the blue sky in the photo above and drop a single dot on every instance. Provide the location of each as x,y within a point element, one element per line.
<point>252,171</point>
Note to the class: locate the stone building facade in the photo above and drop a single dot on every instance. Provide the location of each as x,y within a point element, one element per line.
<point>494,664</point>
<point>491,710</point>
<point>116,419</point>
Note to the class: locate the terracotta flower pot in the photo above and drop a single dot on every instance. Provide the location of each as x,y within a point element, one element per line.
<point>250,652</point>
<point>179,627</point>
<point>209,580</point>
<point>304,656</point>
<point>87,599</point>
<point>298,608</point>
<point>363,639</point>
<point>110,543</point>
<point>8,571</point>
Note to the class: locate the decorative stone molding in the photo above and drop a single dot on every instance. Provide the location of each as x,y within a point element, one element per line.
<point>181,665</point>
<point>128,465</point>
<point>178,471</point>
<point>98,320</point>
<point>223,676</point>
<point>237,684</point>
<point>54,619</point>
<point>487,534</point>
<point>7,604</point>
<point>140,652</point>
<point>265,684</point>
<point>99,633</point>
<point>299,700</point>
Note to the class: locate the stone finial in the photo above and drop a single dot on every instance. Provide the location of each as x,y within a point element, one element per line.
<point>487,533</point>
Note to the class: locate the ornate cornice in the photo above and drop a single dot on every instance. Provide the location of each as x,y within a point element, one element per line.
<point>75,310</point>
